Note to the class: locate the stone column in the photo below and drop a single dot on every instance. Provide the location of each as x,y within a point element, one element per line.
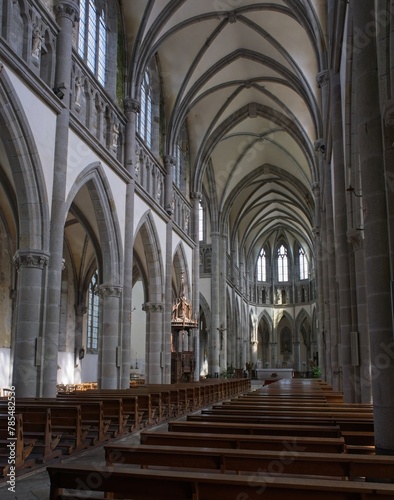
<point>29,307</point>
<point>376,243</point>
<point>169,162</point>
<point>323,336</point>
<point>66,15</point>
<point>223,302</point>
<point>362,378</point>
<point>110,355</point>
<point>154,327</point>
<point>341,243</point>
<point>131,109</point>
<point>196,198</point>
<point>214,367</point>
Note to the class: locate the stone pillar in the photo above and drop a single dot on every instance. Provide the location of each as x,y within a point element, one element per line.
<point>376,243</point>
<point>223,302</point>
<point>361,379</point>
<point>196,198</point>
<point>323,336</point>
<point>341,243</point>
<point>154,356</point>
<point>214,367</point>
<point>29,307</point>
<point>66,15</point>
<point>131,109</point>
<point>169,162</point>
<point>110,353</point>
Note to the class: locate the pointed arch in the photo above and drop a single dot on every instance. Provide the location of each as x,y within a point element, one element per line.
<point>109,245</point>
<point>31,202</point>
<point>153,262</point>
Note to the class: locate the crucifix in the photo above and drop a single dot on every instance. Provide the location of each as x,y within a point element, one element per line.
<point>221,331</point>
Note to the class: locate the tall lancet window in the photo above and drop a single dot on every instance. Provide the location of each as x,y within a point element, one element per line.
<point>93,315</point>
<point>92,37</point>
<point>145,115</point>
<point>303,264</point>
<point>262,266</point>
<point>283,265</point>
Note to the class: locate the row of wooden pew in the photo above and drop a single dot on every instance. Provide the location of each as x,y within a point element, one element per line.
<point>48,429</point>
<point>310,444</point>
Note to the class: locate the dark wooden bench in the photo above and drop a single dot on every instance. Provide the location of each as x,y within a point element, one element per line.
<point>244,441</point>
<point>66,422</point>
<point>240,427</point>
<point>37,426</point>
<point>163,485</point>
<point>23,447</point>
<point>112,408</point>
<point>342,465</point>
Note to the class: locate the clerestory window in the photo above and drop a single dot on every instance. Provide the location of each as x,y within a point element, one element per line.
<point>92,37</point>
<point>262,266</point>
<point>303,264</point>
<point>145,116</point>
<point>283,266</point>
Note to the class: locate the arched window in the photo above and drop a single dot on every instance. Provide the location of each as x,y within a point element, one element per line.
<point>303,264</point>
<point>145,115</point>
<point>93,315</point>
<point>262,266</point>
<point>92,37</point>
<point>176,174</point>
<point>201,222</point>
<point>283,267</point>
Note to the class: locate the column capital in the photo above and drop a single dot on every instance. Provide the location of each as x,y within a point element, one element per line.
<point>169,161</point>
<point>153,306</point>
<point>30,259</point>
<point>196,195</point>
<point>131,105</point>
<point>68,9</point>
<point>323,78</point>
<point>316,187</point>
<point>106,290</point>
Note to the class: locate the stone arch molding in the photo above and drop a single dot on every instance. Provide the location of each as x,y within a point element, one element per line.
<point>27,173</point>
<point>157,358</point>
<point>110,253</point>
<point>154,261</point>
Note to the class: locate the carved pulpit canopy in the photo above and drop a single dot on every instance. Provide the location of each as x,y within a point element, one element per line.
<point>182,315</point>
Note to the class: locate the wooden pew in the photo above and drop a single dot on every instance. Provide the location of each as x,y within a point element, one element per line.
<point>163,485</point>
<point>22,449</point>
<point>37,426</point>
<point>81,423</point>
<point>240,427</point>
<point>244,441</point>
<point>112,408</point>
<point>343,465</point>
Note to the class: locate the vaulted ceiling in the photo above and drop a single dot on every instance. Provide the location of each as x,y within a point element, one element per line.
<point>242,76</point>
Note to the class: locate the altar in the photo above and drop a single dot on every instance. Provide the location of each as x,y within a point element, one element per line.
<point>273,374</point>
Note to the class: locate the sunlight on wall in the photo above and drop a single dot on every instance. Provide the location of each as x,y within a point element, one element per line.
<point>5,355</point>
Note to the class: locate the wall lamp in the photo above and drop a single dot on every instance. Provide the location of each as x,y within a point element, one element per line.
<point>351,189</point>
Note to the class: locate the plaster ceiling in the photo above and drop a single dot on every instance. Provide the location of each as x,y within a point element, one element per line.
<point>241,76</point>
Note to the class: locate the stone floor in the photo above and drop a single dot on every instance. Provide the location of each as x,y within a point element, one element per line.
<point>34,485</point>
